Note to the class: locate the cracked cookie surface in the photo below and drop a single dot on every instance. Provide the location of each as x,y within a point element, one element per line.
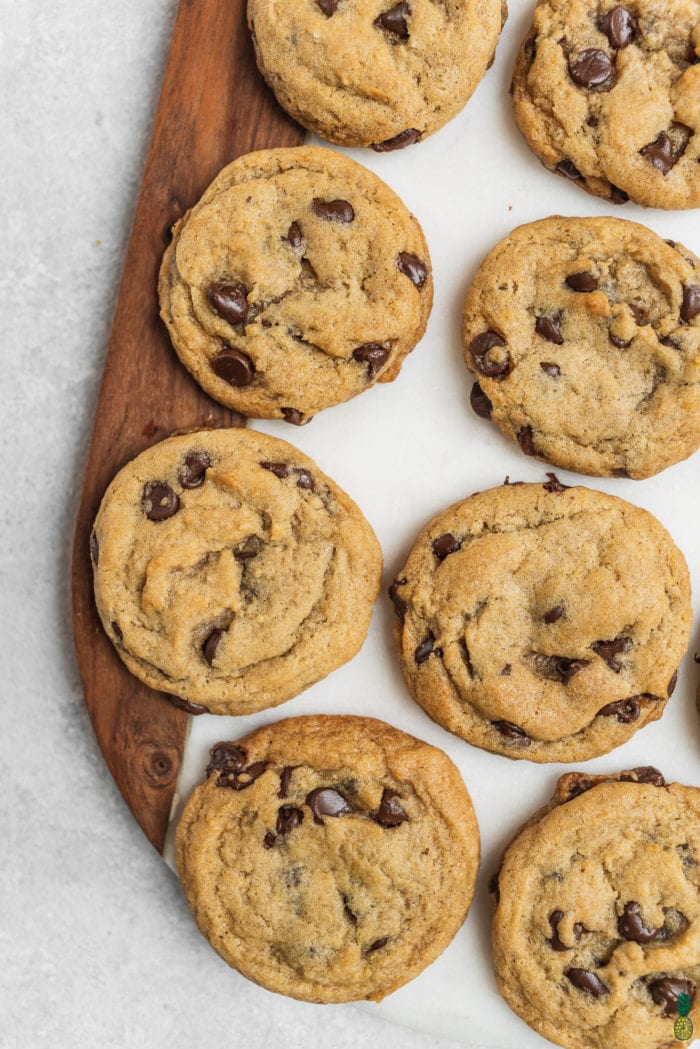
<point>597,927</point>
<point>298,280</point>
<point>329,858</point>
<point>230,571</point>
<point>542,622</point>
<point>584,336</point>
<point>373,72</point>
<point>608,96</point>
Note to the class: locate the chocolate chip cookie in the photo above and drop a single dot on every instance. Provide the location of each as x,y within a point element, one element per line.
<point>298,280</point>
<point>329,858</point>
<point>608,96</point>
<point>584,337</point>
<point>230,572</point>
<point>597,928</point>
<point>374,72</point>
<point>542,622</point>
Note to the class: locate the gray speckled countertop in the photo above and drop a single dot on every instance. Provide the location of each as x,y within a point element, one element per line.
<point>98,946</point>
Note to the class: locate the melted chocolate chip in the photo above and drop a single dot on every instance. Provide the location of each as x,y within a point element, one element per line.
<point>620,471</point>
<point>592,69</point>
<point>549,327</point>
<point>293,416</point>
<point>507,670</point>
<point>159,501</point>
<point>333,210</point>
<point>248,548</point>
<point>413,268</point>
<point>239,779</point>
<point>294,235</point>
<point>525,440</point>
<point>94,549</point>
<point>582,282</point>
<point>285,779</point>
<point>554,941</point>
<point>192,708</point>
<point>512,733</point>
<point>608,650</point>
<point>568,169</point>
<point>288,818</point>
<point>666,992</point>
<point>390,812</point>
<point>620,344</point>
<point>373,355</point>
<point>394,21</point>
<point>193,469</point>
<point>557,668</point>
<point>304,478</point>
<point>269,839</point>
<point>620,26</point>
<point>587,981</point>
<point>226,756</point>
<point>280,470</point>
<point>630,925</point>
<point>691,302</point>
<point>329,7</point>
<point>554,613</point>
<point>644,774</point>
<point>229,301</point>
<point>211,644</point>
<point>666,340</point>
<point>493,366</point>
<point>425,649</point>
<point>234,367</point>
<point>404,138</point>
<point>672,684</point>
<point>660,153</point>
<point>617,195</point>
<point>480,403</point>
<point>400,606</point>
<point>326,801</point>
<point>551,369</point>
<point>444,545</point>
<point>350,915</point>
<point>377,945</point>
<point>554,484</point>
<point>625,710</point>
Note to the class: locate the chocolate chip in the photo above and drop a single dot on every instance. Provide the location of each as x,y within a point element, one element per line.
<point>294,235</point>
<point>582,282</point>
<point>444,545</point>
<point>592,69</point>
<point>672,684</point>
<point>666,992</point>
<point>621,344</point>
<point>229,301</point>
<point>554,484</point>
<point>593,121</point>
<point>568,169</point>
<point>377,944</point>
<point>94,549</point>
<point>691,302</point>
<point>638,312</point>
<point>269,839</point>
<point>159,501</point>
<point>551,369</point>
<point>666,340</point>
<point>413,268</point>
<point>507,670</point>
<point>192,708</point>
<point>193,468</point>
<point>625,710</point>
<point>425,649</point>
<point>480,403</point>
<point>373,355</point>
<point>226,756</point>
<point>390,812</point>
<point>288,818</point>
<point>304,478</point>
<point>400,606</point>
<point>617,195</point>
<point>620,26</point>
<point>211,644</point>
<point>556,668</point>
<point>587,981</point>
<point>644,774</point>
<point>394,20</point>
<point>248,548</point>
<point>554,941</point>
<point>608,650</point>
<point>117,630</point>
<point>239,779</point>
<point>660,153</point>
<point>525,440</point>
<point>554,613</point>
<point>350,915</point>
<point>512,733</point>
<point>293,416</point>
<point>630,924</point>
<point>333,210</point>
<point>620,471</point>
<point>285,779</point>
<point>549,327</point>
<point>280,470</point>
<point>494,366</point>
<point>234,367</point>
<point>404,138</point>
<point>326,801</point>
<point>329,7</point>
<point>466,658</point>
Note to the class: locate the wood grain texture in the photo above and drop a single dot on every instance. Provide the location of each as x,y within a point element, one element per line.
<point>213,106</point>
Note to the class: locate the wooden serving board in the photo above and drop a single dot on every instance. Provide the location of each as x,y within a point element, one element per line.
<point>213,107</point>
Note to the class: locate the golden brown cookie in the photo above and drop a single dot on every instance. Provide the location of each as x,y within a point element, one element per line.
<point>230,571</point>
<point>584,336</point>
<point>298,280</point>
<point>608,96</point>
<point>597,929</point>
<point>329,858</point>
<point>371,72</point>
<point>542,622</point>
